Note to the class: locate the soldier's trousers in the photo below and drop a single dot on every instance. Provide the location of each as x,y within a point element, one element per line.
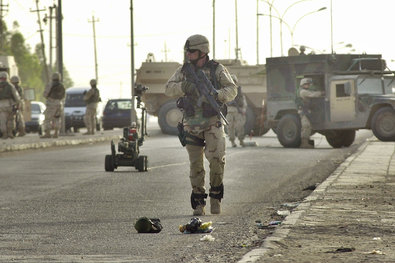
<point>7,121</point>
<point>52,114</point>
<point>306,127</point>
<point>90,119</point>
<point>236,125</point>
<point>214,150</point>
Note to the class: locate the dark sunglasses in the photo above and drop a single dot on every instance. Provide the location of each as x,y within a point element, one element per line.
<point>192,50</point>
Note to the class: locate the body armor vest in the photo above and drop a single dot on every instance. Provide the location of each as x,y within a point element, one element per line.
<point>57,91</point>
<point>95,97</point>
<point>5,91</point>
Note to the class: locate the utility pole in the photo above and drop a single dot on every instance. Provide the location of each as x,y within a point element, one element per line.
<point>165,51</point>
<point>133,110</point>
<point>59,55</point>
<point>2,9</point>
<point>50,17</point>
<point>42,41</point>
<point>237,33</point>
<point>94,45</point>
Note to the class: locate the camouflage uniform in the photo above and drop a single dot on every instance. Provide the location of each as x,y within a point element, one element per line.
<point>237,116</point>
<point>21,107</point>
<point>54,94</point>
<point>306,94</point>
<point>8,98</point>
<point>92,98</point>
<point>206,133</point>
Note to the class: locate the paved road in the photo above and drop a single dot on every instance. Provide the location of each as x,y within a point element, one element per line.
<point>60,204</point>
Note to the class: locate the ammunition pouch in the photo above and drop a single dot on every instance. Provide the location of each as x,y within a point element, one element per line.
<point>198,199</point>
<point>217,192</point>
<point>182,135</point>
<point>186,105</point>
<point>208,110</point>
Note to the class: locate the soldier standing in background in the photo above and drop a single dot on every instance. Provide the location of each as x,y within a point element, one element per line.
<point>237,116</point>
<point>21,107</point>
<point>91,98</point>
<point>202,128</point>
<point>54,93</point>
<point>305,112</point>
<point>9,98</point>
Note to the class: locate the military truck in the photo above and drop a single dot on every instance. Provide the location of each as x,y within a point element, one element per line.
<point>154,75</point>
<point>358,92</point>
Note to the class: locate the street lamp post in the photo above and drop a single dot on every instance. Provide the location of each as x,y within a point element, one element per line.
<point>291,30</point>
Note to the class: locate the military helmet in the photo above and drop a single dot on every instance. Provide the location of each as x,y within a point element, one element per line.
<point>306,81</point>
<point>143,225</point>
<point>234,77</point>
<point>198,42</point>
<point>15,79</point>
<point>93,82</point>
<point>3,75</point>
<point>56,76</point>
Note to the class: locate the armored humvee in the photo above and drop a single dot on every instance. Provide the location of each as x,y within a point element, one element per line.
<point>358,95</point>
<point>252,79</point>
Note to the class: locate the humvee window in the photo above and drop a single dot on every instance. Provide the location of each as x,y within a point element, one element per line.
<point>343,90</point>
<point>369,86</point>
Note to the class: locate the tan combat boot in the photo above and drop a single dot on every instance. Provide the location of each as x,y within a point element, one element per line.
<point>46,135</point>
<point>305,144</point>
<point>215,206</point>
<point>199,211</point>
<point>242,143</point>
<point>233,143</point>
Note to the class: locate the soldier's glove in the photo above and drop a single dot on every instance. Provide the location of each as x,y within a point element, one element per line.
<point>189,88</point>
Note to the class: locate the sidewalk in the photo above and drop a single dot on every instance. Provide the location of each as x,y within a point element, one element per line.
<point>33,141</point>
<point>350,217</point>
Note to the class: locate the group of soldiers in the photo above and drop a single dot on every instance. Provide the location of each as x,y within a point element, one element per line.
<point>12,106</point>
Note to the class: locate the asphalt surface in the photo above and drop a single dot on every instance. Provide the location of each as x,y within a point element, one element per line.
<point>349,217</point>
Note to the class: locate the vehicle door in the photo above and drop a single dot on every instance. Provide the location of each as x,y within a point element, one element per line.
<point>342,100</point>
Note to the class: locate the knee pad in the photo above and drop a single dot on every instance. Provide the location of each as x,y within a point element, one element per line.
<point>217,192</point>
<point>198,199</point>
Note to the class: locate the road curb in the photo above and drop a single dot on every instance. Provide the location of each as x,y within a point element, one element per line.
<point>272,242</point>
<point>56,143</point>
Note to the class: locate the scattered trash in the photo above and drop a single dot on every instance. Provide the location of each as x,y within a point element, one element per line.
<point>148,225</point>
<point>290,205</point>
<point>342,250</point>
<point>375,252</point>
<point>274,223</point>
<point>207,238</point>
<point>196,226</point>
<point>377,238</point>
<point>283,213</point>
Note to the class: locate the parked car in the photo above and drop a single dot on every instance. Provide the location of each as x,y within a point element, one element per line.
<point>117,113</point>
<point>75,108</point>
<point>36,123</point>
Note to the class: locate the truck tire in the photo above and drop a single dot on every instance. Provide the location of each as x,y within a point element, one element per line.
<point>383,124</point>
<point>168,118</point>
<point>340,138</point>
<point>109,163</point>
<point>288,131</point>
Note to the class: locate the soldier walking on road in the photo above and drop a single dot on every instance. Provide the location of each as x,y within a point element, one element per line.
<point>237,116</point>
<point>9,99</point>
<point>305,112</point>
<point>91,98</point>
<point>21,107</point>
<point>54,94</point>
<point>202,128</point>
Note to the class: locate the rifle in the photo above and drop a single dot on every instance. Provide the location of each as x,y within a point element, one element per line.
<point>205,88</point>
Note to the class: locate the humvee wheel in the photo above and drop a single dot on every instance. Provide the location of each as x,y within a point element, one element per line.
<point>288,131</point>
<point>142,163</point>
<point>383,124</point>
<point>339,138</point>
<point>168,117</point>
<point>109,163</point>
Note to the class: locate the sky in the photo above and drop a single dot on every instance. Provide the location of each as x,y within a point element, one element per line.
<point>162,27</point>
